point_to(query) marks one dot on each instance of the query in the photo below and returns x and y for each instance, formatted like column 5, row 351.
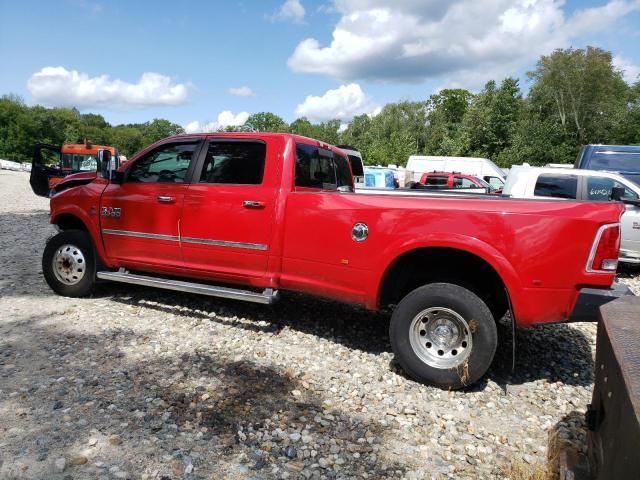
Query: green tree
column 302, row 126
column 446, row 110
column 581, row 91
column 628, row 131
column 400, row 129
column 157, row 129
column 127, row 139
column 265, row 122
column 490, row 124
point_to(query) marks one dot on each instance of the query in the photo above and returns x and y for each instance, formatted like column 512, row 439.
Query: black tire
column 82, row 244
column 468, row 306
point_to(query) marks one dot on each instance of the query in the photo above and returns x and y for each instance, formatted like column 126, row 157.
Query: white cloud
column 630, row 70
column 242, row 91
column 595, row 19
column 290, row 11
column 57, row 86
column 344, row 103
column 376, row 111
column 418, row 39
column 225, row 119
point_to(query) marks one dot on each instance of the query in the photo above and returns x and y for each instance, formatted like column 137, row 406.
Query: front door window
column 168, row 164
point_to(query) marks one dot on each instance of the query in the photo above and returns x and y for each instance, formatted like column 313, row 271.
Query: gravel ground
column 141, row 383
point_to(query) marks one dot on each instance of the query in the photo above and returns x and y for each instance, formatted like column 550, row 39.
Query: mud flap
column 513, row 332
column 45, row 169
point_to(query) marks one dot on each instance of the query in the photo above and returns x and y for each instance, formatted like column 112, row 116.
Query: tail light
column 605, row 249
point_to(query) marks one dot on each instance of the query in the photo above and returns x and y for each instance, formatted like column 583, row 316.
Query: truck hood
column 74, row 180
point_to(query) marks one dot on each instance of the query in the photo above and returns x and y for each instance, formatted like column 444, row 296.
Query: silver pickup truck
column 587, row 185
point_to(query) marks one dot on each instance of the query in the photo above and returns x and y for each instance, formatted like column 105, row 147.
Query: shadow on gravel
column 194, row 414
column 557, row 353
column 353, row 327
column 628, row 270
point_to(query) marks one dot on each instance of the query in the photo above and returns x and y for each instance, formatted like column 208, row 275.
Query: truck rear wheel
column 69, row 263
column 443, row 335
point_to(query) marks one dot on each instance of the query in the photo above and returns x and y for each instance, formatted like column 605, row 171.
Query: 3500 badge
column 111, row 212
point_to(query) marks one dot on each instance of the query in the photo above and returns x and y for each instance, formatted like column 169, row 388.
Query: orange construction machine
column 58, row 162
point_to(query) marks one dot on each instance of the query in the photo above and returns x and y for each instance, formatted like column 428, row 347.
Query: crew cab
column 247, row 215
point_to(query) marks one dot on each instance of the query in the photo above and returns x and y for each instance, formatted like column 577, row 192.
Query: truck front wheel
column 443, row 335
column 69, row 263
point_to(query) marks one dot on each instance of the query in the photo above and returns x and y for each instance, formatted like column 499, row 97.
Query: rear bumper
column 629, row 256
column 591, row 299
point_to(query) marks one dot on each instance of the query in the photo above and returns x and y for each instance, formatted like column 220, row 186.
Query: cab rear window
column 436, row 180
column 558, row 186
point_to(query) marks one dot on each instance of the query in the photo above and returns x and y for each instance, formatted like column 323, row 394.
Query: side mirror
column 617, row 193
column 104, row 164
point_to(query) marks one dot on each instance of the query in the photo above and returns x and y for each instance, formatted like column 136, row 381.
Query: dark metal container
column 613, row 417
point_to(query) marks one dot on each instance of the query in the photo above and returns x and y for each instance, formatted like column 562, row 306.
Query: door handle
column 166, row 199
column 252, row 204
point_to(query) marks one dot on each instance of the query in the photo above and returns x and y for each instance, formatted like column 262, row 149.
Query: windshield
column 485, row 184
column 495, row 182
column 615, row 161
column 77, row 162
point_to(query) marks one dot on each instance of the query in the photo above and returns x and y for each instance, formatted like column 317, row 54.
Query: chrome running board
column 267, row 297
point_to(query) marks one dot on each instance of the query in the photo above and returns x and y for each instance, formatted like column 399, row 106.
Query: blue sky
column 352, row 56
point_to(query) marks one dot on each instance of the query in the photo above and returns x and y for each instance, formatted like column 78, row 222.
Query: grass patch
column 520, row 470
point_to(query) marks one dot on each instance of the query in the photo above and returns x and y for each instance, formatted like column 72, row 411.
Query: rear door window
column 320, row 168
column 462, row 182
column 240, row 163
column 356, row 166
column 599, row 189
column 558, row 186
column 343, row 172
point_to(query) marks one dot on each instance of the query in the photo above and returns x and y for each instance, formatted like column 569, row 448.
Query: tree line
column 575, row 96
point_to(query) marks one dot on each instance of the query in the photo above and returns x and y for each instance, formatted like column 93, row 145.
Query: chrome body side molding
column 224, row 243
column 176, row 238
column 126, row 233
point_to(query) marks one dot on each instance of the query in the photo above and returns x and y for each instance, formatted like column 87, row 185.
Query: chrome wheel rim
column 69, row 265
column 440, row 337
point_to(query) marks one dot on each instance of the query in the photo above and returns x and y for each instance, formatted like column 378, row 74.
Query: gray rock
column 60, row 464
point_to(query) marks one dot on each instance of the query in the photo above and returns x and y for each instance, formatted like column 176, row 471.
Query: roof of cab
column 296, row 138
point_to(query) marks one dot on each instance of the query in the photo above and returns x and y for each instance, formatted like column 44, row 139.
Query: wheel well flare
column 67, row 221
column 439, row 264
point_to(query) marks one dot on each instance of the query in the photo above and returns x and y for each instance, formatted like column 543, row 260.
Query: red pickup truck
column 245, row 215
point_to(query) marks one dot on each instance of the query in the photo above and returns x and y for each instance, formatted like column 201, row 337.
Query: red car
column 273, row 211
column 456, row 180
